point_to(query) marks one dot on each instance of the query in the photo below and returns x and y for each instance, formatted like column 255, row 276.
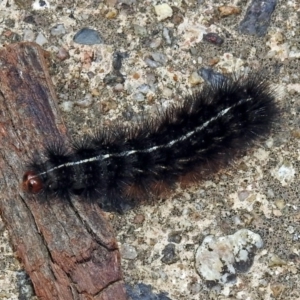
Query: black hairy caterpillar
column 205, row 132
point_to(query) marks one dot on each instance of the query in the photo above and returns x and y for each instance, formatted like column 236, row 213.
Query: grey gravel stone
column 40, row 39
column 85, row 102
column 257, row 17
column 174, row 237
column 113, row 79
column 66, row 106
column 144, row 88
column 155, row 43
column 156, row 60
column 58, row 29
column 166, row 35
column 24, row 285
column 210, row 76
column 140, row 30
column 87, row 36
column 151, row 63
column 28, row 35
column 142, row 291
column 128, row 252
column 159, row 57
column 138, row 97
column 169, row 255
column 117, row 59
column 62, row 54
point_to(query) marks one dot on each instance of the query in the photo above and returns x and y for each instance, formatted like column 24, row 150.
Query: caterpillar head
column 32, row 183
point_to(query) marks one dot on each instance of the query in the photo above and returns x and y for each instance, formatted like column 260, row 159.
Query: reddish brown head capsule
column 32, row 183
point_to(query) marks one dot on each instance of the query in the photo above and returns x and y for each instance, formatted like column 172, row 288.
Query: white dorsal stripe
column 167, row 145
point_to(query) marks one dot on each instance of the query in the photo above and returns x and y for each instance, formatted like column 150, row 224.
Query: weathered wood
column 68, row 249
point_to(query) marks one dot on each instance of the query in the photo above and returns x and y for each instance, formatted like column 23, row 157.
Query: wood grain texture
column 68, row 249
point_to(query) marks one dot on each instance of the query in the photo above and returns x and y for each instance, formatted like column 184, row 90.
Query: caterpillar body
column 202, row 134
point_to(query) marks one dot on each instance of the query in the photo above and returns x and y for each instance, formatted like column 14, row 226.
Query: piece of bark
column 67, row 248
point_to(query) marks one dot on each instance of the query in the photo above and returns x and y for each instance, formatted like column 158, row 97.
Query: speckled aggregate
column 256, row 194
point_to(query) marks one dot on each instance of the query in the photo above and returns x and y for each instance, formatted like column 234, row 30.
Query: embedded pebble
column 128, row 252
column 128, row 2
column 151, row 63
column 194, row 287
column 219, row 259
column 293, row 87
column 166, row 35
column 28, row 35
column 166, row 92
column 270, row 193
column 291, row 229
column 10, row 23
column 108, row 105
column 119, row 87
column 116, row 77
column 40, row 4
column 22, row 4
column 210, row 76
column 169, row 255
column 257, row 17
column 117, row 59
column 111, row 14
column 66, row 106
column 159, row 57
column 195, row 79
column 174, row 237
column 95, row 92
column 24, row 286
column 140, row 30
column 285, row 173
column 58, row 29
column 213, row 61
column 151, row 79
column 87, row 36
column 142, row 291
column 163, row 11
column 62, row 54
column 156, row 60
column 29, row 20
column 138, row 219
column 40, row 39
column 177, row 19
column 213, row 38
column 276, row 261
column 277, row 290
column 85, row 102
column 278, row 47
column 229, row 10
column 113, row 79
column 228, row 63
column 155, row 43
column 138, row 97
column 144, row 88
column 243, row 195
